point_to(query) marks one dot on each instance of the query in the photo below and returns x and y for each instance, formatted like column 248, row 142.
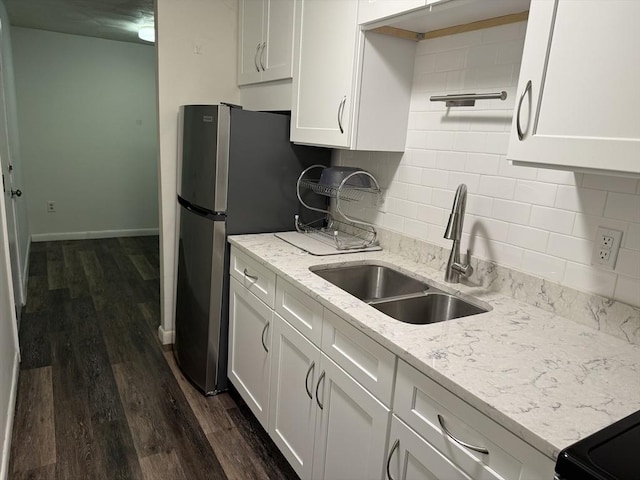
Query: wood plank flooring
column 100, row 398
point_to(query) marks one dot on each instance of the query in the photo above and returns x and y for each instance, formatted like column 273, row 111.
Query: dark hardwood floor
column 99, row 397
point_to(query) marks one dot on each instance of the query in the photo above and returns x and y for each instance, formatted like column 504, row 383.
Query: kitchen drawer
column 419, row 401
column 300, row 310
column 255, row 277
column 368, row 362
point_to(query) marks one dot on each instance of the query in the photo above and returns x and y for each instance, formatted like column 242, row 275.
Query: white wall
column 87, row 120
column 185, row 77
column 535, row 220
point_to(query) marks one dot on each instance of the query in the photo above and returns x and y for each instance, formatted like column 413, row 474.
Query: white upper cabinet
column 349, row 91
column 370, row 10
column 576, row 109
column 265, row 46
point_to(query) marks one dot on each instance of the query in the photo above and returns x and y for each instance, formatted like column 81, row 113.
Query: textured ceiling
column 110, row 19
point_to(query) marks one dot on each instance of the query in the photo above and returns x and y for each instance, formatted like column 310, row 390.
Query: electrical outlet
column 606, row 247
column 51, row 206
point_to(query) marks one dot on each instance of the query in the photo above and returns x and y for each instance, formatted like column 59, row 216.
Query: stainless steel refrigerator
column 238, row 175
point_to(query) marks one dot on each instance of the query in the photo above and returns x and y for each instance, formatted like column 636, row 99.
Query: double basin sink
column 398, row 295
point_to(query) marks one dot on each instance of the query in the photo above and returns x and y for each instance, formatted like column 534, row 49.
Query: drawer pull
column 460, row 442
column 250, row 277
column 396, row 444
column 264, row 330
column 306, row 380
column 317, row 387
column 255, row 58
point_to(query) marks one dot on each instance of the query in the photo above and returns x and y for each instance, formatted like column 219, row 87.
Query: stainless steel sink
column 371, row 282
column 398, row 295
column 431, row 308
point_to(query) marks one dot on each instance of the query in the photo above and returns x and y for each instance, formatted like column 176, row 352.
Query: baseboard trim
column 49, row 237
column 11, row 409
column 166, row 336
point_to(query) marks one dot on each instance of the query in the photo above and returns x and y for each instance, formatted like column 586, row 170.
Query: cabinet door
column 249, row 344
column 325, row 68
column 295, row 369
column 411, row 457
column 351, row 429
column 250, row 20
column 277, row 55
column 575, row 81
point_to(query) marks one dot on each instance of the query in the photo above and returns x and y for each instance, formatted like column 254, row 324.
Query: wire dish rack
column 345, row 233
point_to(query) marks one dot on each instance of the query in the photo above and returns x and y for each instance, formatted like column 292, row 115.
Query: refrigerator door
column 200, row 319
column 204, row 155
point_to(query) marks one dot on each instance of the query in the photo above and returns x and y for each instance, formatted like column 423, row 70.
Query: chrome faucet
column 454, row 232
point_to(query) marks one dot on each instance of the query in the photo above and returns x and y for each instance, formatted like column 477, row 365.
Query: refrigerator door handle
column 203, row 212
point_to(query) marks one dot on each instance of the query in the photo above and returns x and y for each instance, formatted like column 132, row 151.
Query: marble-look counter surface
column 549, row 380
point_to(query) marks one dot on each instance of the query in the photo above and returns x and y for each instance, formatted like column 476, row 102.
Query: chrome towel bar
column 467, row 99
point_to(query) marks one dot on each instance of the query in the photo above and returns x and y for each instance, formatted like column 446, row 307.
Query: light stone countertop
column 549, row 380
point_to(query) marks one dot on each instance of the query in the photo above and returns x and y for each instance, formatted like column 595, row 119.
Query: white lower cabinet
column 249, row 366
column 411, row 457
column 351, row 429
column 292, row 419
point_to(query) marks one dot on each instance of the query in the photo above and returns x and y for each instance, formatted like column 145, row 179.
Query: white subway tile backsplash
column 470, row 141
column 512, row 212
column 543, row 265
column 425, row 64
column 628, row 263
column 510, row 52
column 440, row 140
column 455, row 161
column 434, row 178
column 497, row 143
column 393, row 222
column 483, row 55
column 442, row 198
column 632, row 238
column 527, row 237
column 570, row 248
column 627, row 290
column 407, row 174
column 495, row 76
column 480, row 205
column 397, row 190
column 586, row 278
column 471, row 180
column 623, row 207
column 497, row 187
column 486, row 227
column 559, row 177
column 536, row 193
column 416, row 139
column 402, row 208
column 423, row 158
column 416, row 229
column 482, row 163
column 429, row 214
column 585, row 226
column 610, row 183
column 505, row 254
column 419, row 194
column 515, row 171
column 552, row 220
column 583, row 200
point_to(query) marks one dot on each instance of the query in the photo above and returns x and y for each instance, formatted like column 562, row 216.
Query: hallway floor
column 99, row 397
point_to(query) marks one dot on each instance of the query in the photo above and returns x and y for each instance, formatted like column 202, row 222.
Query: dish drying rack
column 345, row 233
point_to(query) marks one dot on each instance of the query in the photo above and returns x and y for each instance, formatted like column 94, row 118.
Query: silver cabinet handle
column 524, row 94
column 341, row 113
column 317, row 387
column 255, row 57
column 460, row 442
column 251, row 277
column 396, row 444
column 306, row 380
column 264, row 45
column 264, row 330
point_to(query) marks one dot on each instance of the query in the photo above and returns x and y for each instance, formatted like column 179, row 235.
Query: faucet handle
column 465, row 269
